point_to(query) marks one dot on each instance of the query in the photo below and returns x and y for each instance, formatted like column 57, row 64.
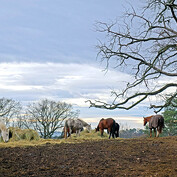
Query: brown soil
column 120, row 157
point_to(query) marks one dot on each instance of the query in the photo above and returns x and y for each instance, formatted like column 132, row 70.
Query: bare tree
column 9, row 109
column 47, row 116
column 144, row 44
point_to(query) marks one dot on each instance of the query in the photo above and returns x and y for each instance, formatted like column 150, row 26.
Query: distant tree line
column 132, row 133
column 45, row 116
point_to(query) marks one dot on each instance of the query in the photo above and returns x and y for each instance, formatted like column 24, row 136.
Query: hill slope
column 120, row 157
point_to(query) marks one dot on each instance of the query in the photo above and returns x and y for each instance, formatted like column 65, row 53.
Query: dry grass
column 23, row 134
column 29, row 138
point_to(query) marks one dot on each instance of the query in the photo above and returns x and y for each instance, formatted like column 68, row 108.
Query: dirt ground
column 120, row 157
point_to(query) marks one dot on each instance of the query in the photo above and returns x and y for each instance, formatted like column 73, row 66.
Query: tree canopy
column 9, row 109
column 47, row 116
column 144, row 44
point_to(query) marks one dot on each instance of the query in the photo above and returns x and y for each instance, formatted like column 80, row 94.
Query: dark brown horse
column 155, row 121
column 108, row 124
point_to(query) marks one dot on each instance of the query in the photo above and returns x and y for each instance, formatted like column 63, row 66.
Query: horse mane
column 148, row 118
column 83, row 122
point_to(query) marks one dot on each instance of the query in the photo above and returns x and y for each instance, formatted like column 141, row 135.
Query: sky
column 47, row 50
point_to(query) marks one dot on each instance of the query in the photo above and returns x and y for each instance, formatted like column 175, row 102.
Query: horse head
column 97, row 129
column 145, row 121
column 88, row 127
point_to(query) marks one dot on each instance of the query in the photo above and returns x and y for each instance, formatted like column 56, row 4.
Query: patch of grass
column 23, row 134
column 90, row 135
column 23, row 138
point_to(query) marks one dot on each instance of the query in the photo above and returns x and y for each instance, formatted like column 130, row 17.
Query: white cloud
column 72, row 82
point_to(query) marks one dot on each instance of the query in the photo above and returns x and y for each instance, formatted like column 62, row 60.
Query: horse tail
column 65, row 129
column 161, row 124
column 113, row 128
column 117, row 129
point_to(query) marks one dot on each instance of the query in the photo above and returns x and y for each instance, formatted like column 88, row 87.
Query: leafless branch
column 150, row 48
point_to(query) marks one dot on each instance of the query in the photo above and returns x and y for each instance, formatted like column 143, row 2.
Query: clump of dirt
column 119, row 157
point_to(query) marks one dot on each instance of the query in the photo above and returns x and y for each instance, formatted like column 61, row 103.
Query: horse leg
column 65, row 132
column 109, row 130
column 118, row 133
column 157, row 133
column 150, row 133
column 77, row 133
column 159, row 130
column 70, row 131
column 154, row 132
column 109, row 135
column 102, row 132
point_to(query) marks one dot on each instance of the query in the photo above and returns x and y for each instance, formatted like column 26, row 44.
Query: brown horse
column 155, row 121
column 108, row 124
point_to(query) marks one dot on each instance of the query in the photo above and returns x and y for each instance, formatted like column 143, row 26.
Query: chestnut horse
column 155, row 121
column 108, row 124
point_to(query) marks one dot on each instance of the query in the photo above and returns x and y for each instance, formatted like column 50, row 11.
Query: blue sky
column 47, row 50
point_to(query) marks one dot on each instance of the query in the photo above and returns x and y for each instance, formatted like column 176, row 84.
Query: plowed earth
column 120, row 157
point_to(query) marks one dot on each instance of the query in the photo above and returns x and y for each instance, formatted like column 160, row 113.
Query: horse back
column 106, row 123
column 110, row 121
column 156, row 121
column 161, row 121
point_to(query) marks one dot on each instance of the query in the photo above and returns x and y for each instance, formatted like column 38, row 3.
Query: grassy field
column 90, row 155
column 26, row 141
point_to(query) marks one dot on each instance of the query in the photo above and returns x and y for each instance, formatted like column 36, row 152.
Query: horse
column 116, row 132
column 108, row 124
column 4, row 132
column 76, row 124
column 155, row 121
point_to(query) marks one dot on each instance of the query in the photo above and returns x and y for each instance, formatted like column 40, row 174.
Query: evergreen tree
column 170, row 115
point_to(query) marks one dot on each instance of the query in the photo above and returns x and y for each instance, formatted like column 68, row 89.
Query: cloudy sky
column 47, row 50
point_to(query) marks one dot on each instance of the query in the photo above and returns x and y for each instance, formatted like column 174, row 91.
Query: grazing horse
column 108, row 124
column 155, row 121
column 75, row 124
column 116, row 131
column 4, row 132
